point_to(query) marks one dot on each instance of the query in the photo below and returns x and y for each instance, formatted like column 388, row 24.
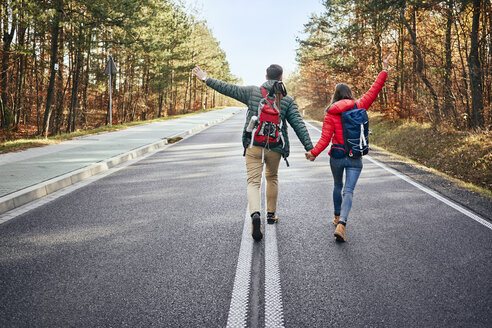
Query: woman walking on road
column 343, row 101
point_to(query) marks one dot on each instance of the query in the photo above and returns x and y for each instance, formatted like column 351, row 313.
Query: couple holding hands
column 272, row 94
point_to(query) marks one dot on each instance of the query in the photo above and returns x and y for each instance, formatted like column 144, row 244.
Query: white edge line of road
column 426, row 190
column 32, row 197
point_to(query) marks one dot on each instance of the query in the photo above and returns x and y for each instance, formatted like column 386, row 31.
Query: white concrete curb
column 24, row 196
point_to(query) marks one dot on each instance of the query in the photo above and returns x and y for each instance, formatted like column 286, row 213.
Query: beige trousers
column 254, row 168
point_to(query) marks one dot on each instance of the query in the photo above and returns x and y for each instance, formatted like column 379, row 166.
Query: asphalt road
column 156, row 244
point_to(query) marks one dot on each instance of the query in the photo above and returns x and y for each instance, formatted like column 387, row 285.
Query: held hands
column 200, row 74
column 386, row 62
column 310, row 156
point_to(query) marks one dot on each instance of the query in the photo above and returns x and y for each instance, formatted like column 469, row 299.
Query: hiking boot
column 335, row 221
column 272, row 218
column 256, row 227
column 340, row 232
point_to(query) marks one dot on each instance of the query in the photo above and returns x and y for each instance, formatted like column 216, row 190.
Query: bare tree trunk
column 377, row 56
column 171, row 93
column 188, row 84
column 36, row 77
column 161, row 99
column 7, row 41
column 175, row 98
column 487, row 67
column 414, row 26
column 61, row 91
column 201, row 96
column 449, row 100
column 86, row 77
column 464, row 74
column 19, row 88
column 206, row 99
column 397, row 64
column 475, row 70
column 20, row 71
column 125, row 90
column 130, row 98
column 166, row 101
column 420, row 68
column 53, row 61
column 145, row 89
column 487, row 63
column 75, row 81
column 402, row 70
column 61, row 101
column 193, row 93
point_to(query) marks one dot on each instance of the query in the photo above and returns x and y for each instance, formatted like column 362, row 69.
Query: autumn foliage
column 441, row 68
column 54, row 53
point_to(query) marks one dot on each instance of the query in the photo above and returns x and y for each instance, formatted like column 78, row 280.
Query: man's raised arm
column 240, row 93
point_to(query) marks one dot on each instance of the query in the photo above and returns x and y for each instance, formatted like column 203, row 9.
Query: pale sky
column 256, row 33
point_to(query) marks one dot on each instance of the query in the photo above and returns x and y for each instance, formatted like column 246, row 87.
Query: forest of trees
column 54, row 52
column 442, row 61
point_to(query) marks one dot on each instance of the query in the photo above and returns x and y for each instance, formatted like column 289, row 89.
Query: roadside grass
column 464, row 157
column 22, row 144
column 468, row 185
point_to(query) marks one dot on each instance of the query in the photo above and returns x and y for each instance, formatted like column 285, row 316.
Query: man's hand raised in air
column 200, row 73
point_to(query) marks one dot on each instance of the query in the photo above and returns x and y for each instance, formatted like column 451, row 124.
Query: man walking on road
column 256, row 153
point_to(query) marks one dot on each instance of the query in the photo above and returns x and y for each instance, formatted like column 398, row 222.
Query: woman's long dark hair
column 342, row 91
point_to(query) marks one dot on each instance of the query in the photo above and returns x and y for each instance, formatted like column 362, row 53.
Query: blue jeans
column 352, row 167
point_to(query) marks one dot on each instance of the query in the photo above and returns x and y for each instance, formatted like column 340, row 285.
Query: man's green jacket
column 251, row 96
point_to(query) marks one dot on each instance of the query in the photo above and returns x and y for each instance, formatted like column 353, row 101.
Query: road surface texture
column 165, row 243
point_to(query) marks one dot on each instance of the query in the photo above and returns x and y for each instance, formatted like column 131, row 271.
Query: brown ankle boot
column 340, row 232
column 335, row 221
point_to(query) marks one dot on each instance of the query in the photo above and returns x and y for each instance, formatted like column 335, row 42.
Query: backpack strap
column 263, row 92
column 362, row 141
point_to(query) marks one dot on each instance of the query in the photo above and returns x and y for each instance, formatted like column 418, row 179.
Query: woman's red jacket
column 332, row 124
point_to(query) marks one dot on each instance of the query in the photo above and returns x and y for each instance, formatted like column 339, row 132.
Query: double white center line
column 238, row 310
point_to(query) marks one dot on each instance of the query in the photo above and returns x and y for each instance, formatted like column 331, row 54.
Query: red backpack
column 268, row 131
